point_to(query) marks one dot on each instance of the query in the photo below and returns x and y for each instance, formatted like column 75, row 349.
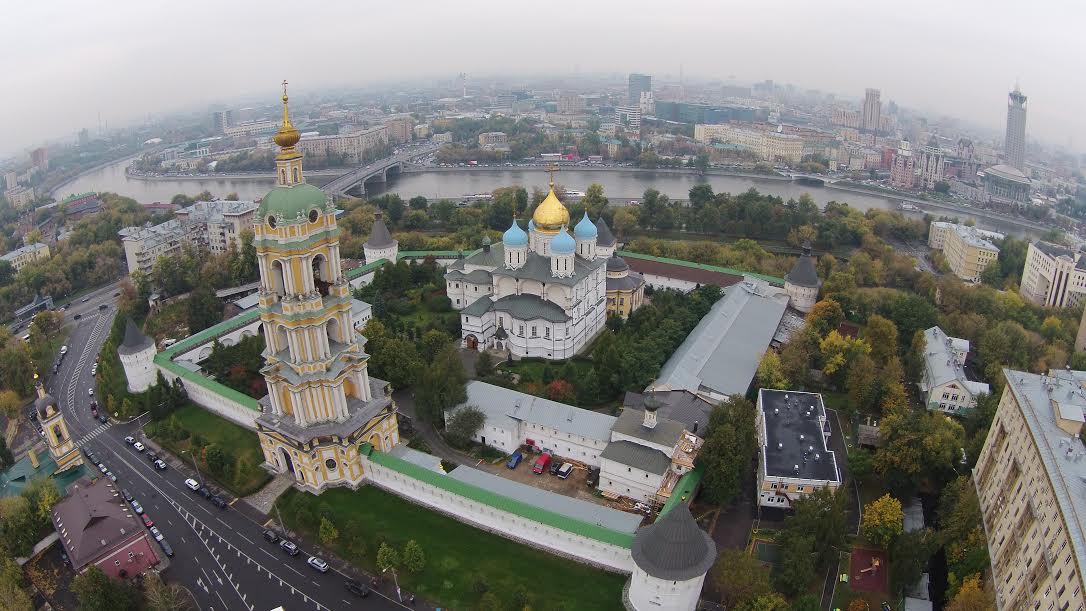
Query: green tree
column 464, row 424
column 490, row 602
column 97, row 592
column 909, row 556
column 771, row 372
column 796, row 569
column 881, row 335
column 825, row 316
column 484, row 365
column 441, row 386
column 215, row 457
column 327, row 532
column 729, row 447
column 418, row 202
column 387, row 558
column 863, row 383
column 10, row 404
column 162, row 596
column 414, row 559
column 202, row 309
column 434, row 341
column 6, row 458
column 920, row 450
column 739, row 577
column 820, row 515
column 883, row 521
column 13, row 597
column 766, row 602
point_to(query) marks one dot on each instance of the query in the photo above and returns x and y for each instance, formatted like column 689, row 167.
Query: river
column 618, row 185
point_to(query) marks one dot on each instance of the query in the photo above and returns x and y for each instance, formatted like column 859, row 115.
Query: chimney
column 651, row 405
column 695, row 427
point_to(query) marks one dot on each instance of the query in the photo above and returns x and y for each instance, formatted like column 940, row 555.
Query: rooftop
column 503, row 405
column 721, row 355
column 941, row 365
column 361, row 412
column 23, row 250
column 1045, row 400
column 630, row 422
column 794, row 427
column 636, row 455
column 674, row 548
column 975, row 237
column 680, row 405
column 94, row 519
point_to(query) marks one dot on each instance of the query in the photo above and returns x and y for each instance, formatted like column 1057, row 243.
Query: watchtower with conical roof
column 381, row 244
column 671, row 558
column 137, row 352
column 802, row 282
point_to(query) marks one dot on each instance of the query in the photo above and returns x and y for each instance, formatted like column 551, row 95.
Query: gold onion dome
column 551, row 214
column 288, row 135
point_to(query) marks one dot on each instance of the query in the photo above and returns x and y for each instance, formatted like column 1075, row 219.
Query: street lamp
column 193, row 455
column 395, row 581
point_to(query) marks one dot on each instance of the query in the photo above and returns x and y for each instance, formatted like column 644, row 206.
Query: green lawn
column 461, row 561
column 244, row 475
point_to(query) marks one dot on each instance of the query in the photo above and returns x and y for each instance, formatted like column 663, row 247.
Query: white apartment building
column 628, row 117
column 768, row 144
column 493, row 139
column 354, row 145
column 250, row 128
column 794, row 458
column 21, row 257
column 943, row 382
column 968, row 250
column 1053, row 275
column 212, row 225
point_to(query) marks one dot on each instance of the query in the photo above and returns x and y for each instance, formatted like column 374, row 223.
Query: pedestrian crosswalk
column 91, row 435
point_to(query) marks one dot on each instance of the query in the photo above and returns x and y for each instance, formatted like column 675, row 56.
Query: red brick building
column 97, row 527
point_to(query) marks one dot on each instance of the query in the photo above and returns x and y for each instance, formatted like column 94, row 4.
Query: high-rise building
column 40, row 158
column 222, row 119
column 1029, row 479
column 872, row 110
column 400, row 129
column 638, row 83
column 903, row 168
column 1014, row 146
column 1053, row 276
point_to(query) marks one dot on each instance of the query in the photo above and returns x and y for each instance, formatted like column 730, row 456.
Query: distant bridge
column 810, row 179
column 376, row 171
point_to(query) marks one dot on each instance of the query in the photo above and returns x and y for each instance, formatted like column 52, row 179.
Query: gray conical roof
column 379, row 236
column 803, row 272
column 604, row 236
column 134, row 340
column 674, row 548
column 42, row 404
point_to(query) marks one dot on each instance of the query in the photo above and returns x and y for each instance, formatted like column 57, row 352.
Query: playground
column 868, row 570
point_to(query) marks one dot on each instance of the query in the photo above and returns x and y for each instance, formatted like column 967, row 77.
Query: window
column 534, row 332
column 546, row 332
column 330, row 464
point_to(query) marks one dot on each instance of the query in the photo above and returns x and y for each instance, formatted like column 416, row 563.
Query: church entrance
column 285, row 462
column 472, row 342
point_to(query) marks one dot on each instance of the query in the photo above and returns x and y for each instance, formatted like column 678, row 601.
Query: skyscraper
column 872, row 110
column 638, row 84
column 1014, row 147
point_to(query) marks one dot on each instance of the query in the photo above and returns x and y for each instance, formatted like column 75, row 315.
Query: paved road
column 220, row 556
column 341, row 184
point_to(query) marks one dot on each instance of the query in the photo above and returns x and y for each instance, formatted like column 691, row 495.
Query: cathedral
column 322, row 405
column 542, row 292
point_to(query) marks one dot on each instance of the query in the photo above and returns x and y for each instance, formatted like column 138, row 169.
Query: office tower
column 1014, row 147
column 872, row 110
column 638, row 84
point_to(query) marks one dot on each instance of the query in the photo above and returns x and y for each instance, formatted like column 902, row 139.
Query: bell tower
column 288, row 163
column 61, row 445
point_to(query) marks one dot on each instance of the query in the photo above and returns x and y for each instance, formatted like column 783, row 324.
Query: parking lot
column 573, row 486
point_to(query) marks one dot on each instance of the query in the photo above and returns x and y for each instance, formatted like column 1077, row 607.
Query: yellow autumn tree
column 972, row 596
column 883, row 520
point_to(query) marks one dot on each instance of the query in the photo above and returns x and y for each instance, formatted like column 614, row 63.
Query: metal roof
column 537, row 267
column 941, row 366
column 504, row 406
column 379, row 235
column 631, row 423
column 478, row 307
column 134, row 339
column 803, row 272
column 604, row 236
column 722, row 353
column 530, row 307
column 681, row 405
column 635, row 455
column 94, row 519
column 674, row 548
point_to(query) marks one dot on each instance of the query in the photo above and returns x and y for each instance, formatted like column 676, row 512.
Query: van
column 541, row 463
column 565, row 470
column 514, row 460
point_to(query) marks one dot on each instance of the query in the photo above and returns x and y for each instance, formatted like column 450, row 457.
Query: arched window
column 282, row 177
column 296, row 176
column 277, row 278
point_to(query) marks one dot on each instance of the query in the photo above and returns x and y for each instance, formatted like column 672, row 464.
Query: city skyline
column 130, row 70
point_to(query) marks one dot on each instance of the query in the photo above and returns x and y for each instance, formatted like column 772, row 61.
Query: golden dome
column 287, row 136
column 551, row 214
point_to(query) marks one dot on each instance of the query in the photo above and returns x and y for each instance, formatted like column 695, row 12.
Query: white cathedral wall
column 216, row 403
column 665, row 282
column 647, row 592
column 200, row 352
column 517, row 528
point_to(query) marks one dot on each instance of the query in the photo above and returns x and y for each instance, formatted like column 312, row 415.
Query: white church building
column 540, row 293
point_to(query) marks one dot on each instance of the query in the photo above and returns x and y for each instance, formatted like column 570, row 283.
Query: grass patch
column 462, row 562
column 196, row 430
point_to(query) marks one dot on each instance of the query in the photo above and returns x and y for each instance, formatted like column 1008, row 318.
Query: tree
column 414, row 559
column 418, row 202
column 920, row 449
column 203, row 309
column 795, row 571
column 863, row 383
column 972, row 596
column 883, row 521
column 909, row 556
column 327, row 532
column 441, row 386
column 434, row 341
column 96, row 591
column 6, row 458
column 881, row 335
column 561, row 391
column 10, row 402
column 771, row 372
column 484, row 365
column 490, row 602
column 839, row 351
column 162, row 596
column 825, row 316
column 12, row 595
column 387, row 558
column 821, row 515
column 770, row 601
column 728, row 450
column 624, row 220
column 859, row 604
column 464, row 424
column 739, row 577
column 47, row 496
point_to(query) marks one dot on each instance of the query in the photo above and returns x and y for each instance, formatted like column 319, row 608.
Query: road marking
column 315, row 583
column 268, row 553
column 220, row 598
column 295, row 570
column 242, row 536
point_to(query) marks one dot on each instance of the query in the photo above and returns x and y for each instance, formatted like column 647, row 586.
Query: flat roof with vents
column 795, row 431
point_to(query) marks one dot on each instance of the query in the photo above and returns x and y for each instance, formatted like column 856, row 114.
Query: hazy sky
column 68, row 60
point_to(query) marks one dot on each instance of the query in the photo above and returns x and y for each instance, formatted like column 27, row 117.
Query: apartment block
column 21, row 257
column 944, row 383
column 794, row 458
column 215, row 226
column 1031, row 483
column 968, row 250
column 400, row 129
column 766, row 143
column 354, row 145
column 1053, row 275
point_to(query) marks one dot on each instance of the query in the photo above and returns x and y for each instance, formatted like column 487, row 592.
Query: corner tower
column 137, row 353
column 61, row 445
column 321, row 402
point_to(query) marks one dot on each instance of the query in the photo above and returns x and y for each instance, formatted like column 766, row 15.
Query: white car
column 160, row 465
column 90, row 391
column 110, row 475
column 102, row 467
column 156, row 533
column 63, row 350
column 130, row 440
column 139, row 446
column 137, row 507
column 192, row 484
column 318, row 564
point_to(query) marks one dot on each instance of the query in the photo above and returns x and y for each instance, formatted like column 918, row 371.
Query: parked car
column 270, row 536
column 104, row 306
column 219, row 502
column 166, row 549
column 90, row 392
column 318, row 564
column 126, row 494
column 565, row 470
column 156, row 533
column 555, row 466
column 102, row 467
column 77, row 316
column 151, row 456
column 541, row 463
column 110, row 475
column 130, row 440
column 204, row 492
column 103, row 418
column 357, row 588
column 289, row 547
column 137, row 507
column 160, row 465
column 147, row 521
column 192, row 484
column 139, row 446
column 514, row 460
column 63, row 350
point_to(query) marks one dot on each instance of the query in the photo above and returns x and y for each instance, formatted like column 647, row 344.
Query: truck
column 541, row 463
